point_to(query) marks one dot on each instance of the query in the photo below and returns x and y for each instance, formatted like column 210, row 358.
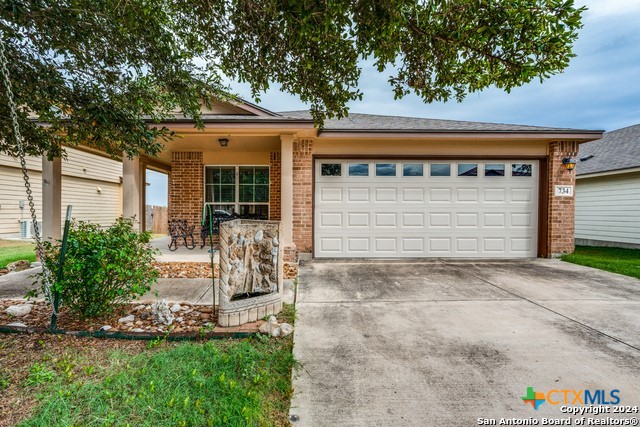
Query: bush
column 103, row 268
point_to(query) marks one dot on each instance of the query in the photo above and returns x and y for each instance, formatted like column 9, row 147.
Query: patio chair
column 180, row 229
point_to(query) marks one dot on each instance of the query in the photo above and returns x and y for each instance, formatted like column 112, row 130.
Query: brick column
column 274, row 186
column 302, row 195
column 186, row 188
column 561, row 221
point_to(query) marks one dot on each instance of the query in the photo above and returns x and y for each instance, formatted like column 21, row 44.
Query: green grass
column 14, row 250
column 217, row 383
column 615, row 260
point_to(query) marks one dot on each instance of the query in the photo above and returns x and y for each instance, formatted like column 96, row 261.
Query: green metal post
column 63, row 253
column 207, row 210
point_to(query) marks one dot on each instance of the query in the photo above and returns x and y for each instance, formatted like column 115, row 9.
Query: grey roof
column 248, row 118
column 373, row 122
column 617, row 150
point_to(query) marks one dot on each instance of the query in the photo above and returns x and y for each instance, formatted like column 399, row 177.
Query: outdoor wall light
column 569, row 163
column 223, row 142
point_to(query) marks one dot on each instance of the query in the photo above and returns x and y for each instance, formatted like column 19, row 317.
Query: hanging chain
column 25, row 173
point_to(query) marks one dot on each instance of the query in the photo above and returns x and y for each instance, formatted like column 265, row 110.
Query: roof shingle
column 617, row 150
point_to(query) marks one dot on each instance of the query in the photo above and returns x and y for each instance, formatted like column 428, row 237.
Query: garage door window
column 521, row 169
column 331, row 169
column 494, row 169
column 412, row 169
column 358, row 169
column 385, row 169
column 467, row 169
column 440, row 169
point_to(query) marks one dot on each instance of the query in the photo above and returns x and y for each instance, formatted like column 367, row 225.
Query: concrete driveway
column 443, row 343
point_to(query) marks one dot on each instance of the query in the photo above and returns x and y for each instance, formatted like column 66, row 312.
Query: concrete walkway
column 192, row 291
column 181, row 254
column 443, row 343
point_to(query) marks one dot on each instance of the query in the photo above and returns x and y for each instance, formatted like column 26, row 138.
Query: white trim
column 607, row 173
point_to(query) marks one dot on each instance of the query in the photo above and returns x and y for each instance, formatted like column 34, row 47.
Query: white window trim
column 237, row 203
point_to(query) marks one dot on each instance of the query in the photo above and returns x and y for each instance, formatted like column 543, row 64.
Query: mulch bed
column 190, row 319
column 185, row 270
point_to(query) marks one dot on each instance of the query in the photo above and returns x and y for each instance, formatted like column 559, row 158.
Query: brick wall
column 561, row 209
column 302, row 194
column 274, row 186
column 186, row 188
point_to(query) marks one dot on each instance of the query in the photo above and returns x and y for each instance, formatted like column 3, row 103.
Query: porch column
column 132, row 182
column 51, row 198
column 286, row 188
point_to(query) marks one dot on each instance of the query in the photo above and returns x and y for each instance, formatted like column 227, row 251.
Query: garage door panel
column 330, row 194
column 425, row 216
column 386, row 194
column 413, row 195
column 358, row 195
column 358, row 219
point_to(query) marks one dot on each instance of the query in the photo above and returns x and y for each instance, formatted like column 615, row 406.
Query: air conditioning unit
column 26, row 229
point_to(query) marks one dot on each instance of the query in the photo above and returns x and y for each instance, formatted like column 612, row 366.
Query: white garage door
column 379, row 208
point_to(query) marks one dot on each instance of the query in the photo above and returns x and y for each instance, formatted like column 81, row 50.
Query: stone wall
column 250, row 271
column 561, row 225
column 186, row 188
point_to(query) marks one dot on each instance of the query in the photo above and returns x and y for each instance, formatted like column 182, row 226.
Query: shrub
column 103, row 268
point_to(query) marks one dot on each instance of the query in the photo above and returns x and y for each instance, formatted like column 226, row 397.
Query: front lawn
column 615, row 260
column 14, row 250
column 69, row 381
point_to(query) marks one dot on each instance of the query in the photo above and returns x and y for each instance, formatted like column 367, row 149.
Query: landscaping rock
column 20, row 265
column 137, row 330
column 139, row 307
column 285, row 329
column 275, row 333
column 17, row 324
column 175, row 308
column 19, row 310
column 161, row 313
column 127, row 319
column 179, row 319
column 105, row 328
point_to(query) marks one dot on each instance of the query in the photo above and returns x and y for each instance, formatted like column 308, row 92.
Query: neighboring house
column 371, row 185
column 91, row 183
column 608, row 190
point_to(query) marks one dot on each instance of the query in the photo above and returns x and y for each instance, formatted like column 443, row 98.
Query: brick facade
column 274, row 186
column 302, row 194
column 186, row 188
column 561, row 223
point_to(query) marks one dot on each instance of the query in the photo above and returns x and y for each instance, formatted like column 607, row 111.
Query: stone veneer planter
column 250, row 271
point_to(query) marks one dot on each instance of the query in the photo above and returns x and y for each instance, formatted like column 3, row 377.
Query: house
column 91, row 183
column 608, row 190
column 373, row 185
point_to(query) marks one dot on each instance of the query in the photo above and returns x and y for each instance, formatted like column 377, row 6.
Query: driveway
column 443, row 343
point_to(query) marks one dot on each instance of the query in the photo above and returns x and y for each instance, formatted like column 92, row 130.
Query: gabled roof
column 357, row 122
column 616, row 151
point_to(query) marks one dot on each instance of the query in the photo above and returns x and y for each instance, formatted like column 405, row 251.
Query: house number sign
column 564, row 190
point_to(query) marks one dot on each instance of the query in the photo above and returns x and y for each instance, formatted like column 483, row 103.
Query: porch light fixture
column 569, row 163
column 223, row 142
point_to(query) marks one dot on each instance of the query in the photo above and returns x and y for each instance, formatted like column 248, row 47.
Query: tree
column 93, row 69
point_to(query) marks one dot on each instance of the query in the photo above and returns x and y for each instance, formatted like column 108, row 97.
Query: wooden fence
column 157, row 217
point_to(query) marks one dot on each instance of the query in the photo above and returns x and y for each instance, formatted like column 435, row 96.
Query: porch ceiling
column 209, row 143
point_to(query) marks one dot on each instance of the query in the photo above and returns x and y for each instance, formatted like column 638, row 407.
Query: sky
column 599, row 90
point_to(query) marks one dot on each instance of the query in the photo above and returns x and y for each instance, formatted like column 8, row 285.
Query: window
column 358, row 169
column 521, row 169
column 238, row 189
column 413, row 169
column 385, row 169
column 467, row 169
column 494, row 169
column 331, row 169
column 440, row 169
